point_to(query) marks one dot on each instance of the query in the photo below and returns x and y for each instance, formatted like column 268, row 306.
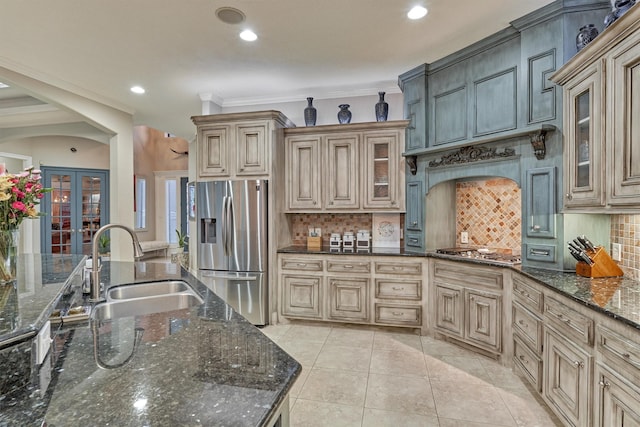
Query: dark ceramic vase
column 619, row 8
column 310, row 113
column 344, row 115
column 585, row 35
column 382, row 109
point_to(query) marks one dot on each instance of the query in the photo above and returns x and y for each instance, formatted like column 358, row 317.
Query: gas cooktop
column 488, row 254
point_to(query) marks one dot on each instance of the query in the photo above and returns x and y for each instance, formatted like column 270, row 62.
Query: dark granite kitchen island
column 200, row 366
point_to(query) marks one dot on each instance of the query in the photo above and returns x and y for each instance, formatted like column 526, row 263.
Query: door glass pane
column 60, row 214
column 90, row 210
column 381, row 170
column 171, row 195
column 582, row 141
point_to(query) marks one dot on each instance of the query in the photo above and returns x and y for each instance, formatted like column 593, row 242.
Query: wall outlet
column 464, row 237
column 616, row 251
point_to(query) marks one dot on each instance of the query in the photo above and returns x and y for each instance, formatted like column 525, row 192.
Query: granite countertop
column 26, row 305
column 616, row 297
column 204, row 365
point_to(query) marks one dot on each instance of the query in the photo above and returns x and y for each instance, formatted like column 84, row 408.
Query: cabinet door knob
column 569, row 196
column 535, row 227
column 604, row 384
column 414, row 223
column 579, row 363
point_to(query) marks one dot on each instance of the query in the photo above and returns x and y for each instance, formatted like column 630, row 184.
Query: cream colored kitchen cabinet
column 382, row 170
column 302, row 173
column 467, row 303
column 349, row 299
column 583, row 154
column 601, row 106
column 567, row 379
column 337, row 168
column 342, row 167
column 527, row 329
column 624, row 133
column 238, row 145
column 618, row 401
column 366, row 289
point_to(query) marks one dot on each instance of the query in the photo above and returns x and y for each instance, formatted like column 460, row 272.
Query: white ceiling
column 179, row 50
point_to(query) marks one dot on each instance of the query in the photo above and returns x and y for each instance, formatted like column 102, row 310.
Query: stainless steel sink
column 148, row 289
column 145, row 305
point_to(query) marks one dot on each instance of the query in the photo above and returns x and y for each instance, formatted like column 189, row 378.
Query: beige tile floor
column 355, row 376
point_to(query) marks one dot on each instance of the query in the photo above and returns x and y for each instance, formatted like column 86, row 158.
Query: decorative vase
column 8, row 255
column 344, row 115
column 619, row 8
column 382, row 109
column 585, row 35
column 310, row 113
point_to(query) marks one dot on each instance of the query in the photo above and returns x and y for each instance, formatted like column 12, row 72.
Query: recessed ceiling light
column 230, row 15
column 138, row 89
column 2, row 85
column 417, row 12
column 248, row 36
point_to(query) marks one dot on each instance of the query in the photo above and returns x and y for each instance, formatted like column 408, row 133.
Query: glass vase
column 8, row 255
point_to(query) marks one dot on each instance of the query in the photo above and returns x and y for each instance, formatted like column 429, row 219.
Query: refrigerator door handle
column 223, row 226
column 231, row 225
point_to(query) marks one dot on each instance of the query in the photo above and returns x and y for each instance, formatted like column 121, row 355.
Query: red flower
column 19, row 206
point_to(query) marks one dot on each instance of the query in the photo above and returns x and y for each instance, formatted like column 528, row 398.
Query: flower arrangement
column 19, row 195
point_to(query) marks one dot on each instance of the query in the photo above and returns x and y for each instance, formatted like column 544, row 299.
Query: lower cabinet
column 302, row 296
column 567, row 379
column 467, row 303
column 618, row 401
column 367, row 289
column 348, row 299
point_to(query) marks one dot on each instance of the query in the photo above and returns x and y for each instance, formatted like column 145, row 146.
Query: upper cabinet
column 345, row 167
column 237, row 145
column 602, row 103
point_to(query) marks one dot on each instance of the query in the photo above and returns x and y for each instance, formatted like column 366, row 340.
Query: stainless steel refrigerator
column 232, row 244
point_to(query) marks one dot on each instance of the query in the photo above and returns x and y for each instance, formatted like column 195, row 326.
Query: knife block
column 603, row 265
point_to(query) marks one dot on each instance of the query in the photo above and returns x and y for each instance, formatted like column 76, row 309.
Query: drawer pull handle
column 579, row 363
column 397, row 289
column 538, row 252
column 626, row 355
column 302, row 264
column 604, row 384
column 521, row 357
column 348, row 266
column 414, row 240
column 522, row 322
column 525, row 294
column 397, row 313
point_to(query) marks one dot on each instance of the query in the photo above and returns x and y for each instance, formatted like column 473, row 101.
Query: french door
column 76, row 208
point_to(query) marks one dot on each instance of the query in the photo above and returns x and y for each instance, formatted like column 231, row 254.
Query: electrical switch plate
column 464, row 237
column 616, row 251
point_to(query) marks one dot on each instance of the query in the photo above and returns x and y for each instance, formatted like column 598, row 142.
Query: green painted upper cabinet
column 414, row 219
column 413, row 84
column 540, row 205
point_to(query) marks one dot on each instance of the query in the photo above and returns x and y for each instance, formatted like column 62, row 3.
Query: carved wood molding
column 471, row 154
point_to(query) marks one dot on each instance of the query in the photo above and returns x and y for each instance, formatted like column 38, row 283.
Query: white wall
column 361, row 107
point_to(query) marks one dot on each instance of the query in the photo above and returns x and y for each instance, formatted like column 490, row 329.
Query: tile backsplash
column 330, row 223
column 490, row 212
column 625, row 229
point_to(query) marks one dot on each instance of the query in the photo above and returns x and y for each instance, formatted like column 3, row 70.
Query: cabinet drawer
column 413, row 240
column 528, row 362
column 398, row 314
column 622, row 351
column 527, row 295
column 543, row 253
column 348, row 266
column 569, row 321
column 463, row 274
column 412, row 268
column 528, row 326
column 399, row 289
column 301, row 264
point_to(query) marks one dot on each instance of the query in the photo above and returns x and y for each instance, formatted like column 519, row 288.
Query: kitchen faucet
column 95, row 268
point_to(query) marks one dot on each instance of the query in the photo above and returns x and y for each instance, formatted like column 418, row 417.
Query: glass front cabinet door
column 584, row 139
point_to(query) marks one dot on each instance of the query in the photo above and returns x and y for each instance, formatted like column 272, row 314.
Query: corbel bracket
column 412, row 161
column 538, row 142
